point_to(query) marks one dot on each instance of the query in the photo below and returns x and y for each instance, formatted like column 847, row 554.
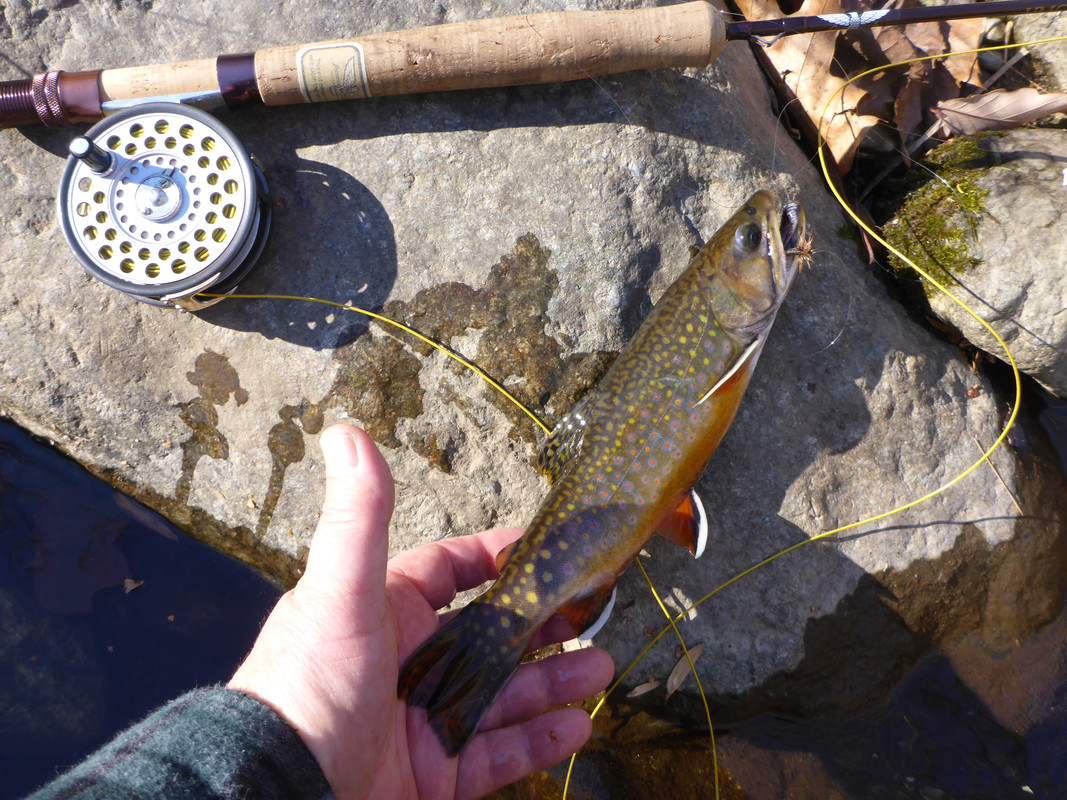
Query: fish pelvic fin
column 687, row 525
column 458, row 672
column 588, row 613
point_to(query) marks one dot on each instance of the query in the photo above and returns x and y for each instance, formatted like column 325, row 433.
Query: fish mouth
column 791, row 227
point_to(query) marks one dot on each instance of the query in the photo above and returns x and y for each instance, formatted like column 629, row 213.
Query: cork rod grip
column 507, row 51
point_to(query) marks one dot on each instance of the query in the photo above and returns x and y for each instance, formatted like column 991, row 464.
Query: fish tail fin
column 458, row 672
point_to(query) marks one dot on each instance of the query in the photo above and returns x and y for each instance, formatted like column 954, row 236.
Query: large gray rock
column 531, row 229
column 1051, row 57
column 1008, row 254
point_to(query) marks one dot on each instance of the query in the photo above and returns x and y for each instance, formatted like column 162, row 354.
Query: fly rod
column 506, row 51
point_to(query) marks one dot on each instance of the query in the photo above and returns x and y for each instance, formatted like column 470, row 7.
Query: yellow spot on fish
column 506, row 601
column 505, row 622
column 529, row 568
column 545, row 554
column 563, row 545
column 547, row 577
column 531, row 597
column 689, row 327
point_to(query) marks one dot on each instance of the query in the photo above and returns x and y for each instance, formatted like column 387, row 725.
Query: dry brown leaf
column 804, row 63
column 815, row 66
column 997, row 110
column 129, row 584
column 644, row 688
column 681, row 669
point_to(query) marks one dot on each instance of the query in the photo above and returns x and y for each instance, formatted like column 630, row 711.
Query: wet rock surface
column 531, row 229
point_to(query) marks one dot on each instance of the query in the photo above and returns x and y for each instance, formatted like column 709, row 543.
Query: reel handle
column 506, row 51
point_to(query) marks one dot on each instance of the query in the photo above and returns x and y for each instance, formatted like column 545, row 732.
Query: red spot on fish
column 588, row 550
column 652, row 462
column 568, row 569
column 633, row 519
column 640, row 500
column 667, row 446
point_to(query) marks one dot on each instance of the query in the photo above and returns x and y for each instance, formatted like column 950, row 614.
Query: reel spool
column 161, row 202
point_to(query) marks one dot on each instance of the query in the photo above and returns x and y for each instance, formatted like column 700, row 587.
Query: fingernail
column 340, row 453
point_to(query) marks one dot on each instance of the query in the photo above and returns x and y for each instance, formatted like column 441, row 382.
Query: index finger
column 441, row 569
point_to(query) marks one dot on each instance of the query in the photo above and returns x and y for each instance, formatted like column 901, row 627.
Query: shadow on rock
column 331, row 240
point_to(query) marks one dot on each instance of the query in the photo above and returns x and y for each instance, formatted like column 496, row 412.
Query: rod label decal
column 853, row 19
column 332, row 72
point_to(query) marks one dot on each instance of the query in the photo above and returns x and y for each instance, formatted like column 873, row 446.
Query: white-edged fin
column 701, row 525
column 586, row 636
column 745, row 356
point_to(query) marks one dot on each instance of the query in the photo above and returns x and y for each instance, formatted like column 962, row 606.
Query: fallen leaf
column 645, row 688
column 812, row 68
column 681, row 669
column 805, row 65
column 130, row 584
column 997, row 110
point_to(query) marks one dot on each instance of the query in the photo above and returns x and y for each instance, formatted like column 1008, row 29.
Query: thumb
column 350, row 549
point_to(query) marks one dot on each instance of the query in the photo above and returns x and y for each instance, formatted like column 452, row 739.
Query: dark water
column 80, row 657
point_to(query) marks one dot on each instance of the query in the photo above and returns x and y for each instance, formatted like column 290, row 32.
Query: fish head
column 750, row 263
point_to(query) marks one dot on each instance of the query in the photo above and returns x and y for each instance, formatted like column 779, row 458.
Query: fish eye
column 749, row 236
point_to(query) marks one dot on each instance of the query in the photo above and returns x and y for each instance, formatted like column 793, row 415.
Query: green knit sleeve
column 210, row 743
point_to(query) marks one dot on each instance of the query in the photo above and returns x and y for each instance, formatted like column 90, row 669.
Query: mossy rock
column 937, row 220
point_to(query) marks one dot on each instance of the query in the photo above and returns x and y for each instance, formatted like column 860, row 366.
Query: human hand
column 328, row 657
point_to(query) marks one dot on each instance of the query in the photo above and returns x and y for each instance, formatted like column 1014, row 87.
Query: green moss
column 933, row 225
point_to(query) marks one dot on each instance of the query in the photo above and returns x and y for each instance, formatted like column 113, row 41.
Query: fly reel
column 161, row 202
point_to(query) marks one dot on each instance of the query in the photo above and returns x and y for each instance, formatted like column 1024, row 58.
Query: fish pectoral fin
column 563, row 444
column 748, row 357
column 687, row 524
column 505, row 553
column 587, row 614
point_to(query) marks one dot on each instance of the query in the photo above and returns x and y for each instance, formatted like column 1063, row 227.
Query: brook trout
column 622, row 464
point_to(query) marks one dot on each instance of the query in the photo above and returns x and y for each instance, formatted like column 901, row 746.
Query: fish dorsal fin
column 751, row 354
column 687, row 524
column 563, row 444
column 503, row 556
